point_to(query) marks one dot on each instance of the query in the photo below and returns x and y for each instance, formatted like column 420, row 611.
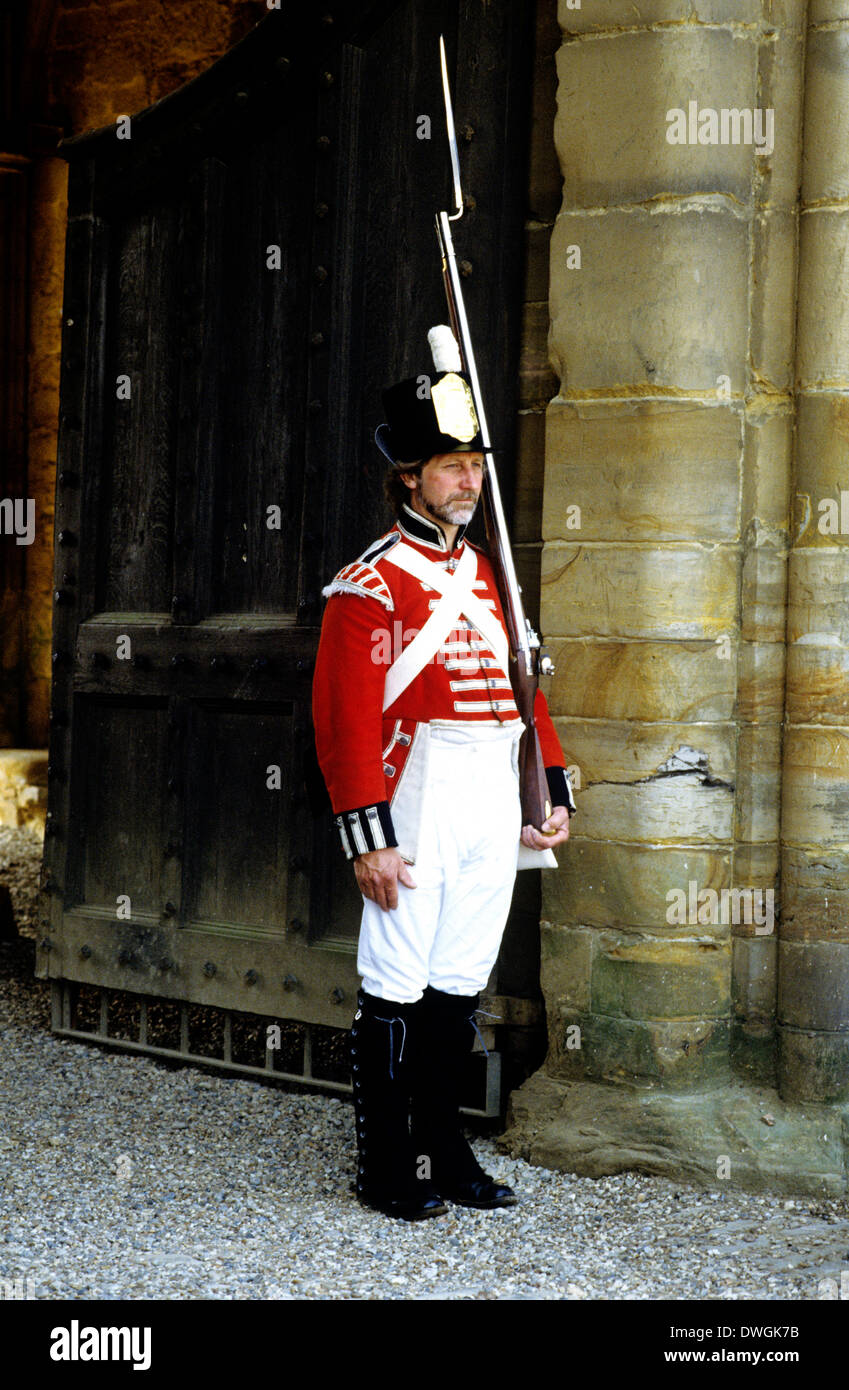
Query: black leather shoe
column 404, row 1209
column 486, row 1195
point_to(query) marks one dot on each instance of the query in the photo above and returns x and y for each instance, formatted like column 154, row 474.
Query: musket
column 527, row 662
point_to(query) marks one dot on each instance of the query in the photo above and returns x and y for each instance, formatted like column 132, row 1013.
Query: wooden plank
column 198, row 431
column 134, row 562
column 129, row 955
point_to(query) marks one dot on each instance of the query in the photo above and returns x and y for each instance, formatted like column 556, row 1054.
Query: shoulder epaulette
column 361, row 577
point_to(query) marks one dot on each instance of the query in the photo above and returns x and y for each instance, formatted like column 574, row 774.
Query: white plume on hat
column 444, row 349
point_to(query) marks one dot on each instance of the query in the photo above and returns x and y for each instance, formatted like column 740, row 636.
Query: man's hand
column 379, row 871
column 558, row 820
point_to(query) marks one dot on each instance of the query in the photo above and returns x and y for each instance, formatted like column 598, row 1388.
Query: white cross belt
column 457, row 597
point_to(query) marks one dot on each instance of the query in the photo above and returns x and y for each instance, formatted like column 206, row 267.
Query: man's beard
column 455, row 513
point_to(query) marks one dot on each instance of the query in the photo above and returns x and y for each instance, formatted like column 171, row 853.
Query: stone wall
column 667, row 522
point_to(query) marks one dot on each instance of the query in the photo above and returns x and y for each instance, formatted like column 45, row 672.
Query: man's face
column 449, row 487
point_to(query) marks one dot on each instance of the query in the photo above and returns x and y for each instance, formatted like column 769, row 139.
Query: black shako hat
column 429, row 414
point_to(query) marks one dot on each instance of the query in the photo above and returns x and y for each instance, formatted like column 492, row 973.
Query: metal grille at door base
column 229, row 1041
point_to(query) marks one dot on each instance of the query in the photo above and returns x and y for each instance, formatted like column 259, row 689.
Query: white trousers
column 446, row 931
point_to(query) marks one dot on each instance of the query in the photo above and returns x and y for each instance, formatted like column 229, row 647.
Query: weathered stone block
column 754, row 1052
column 764, row 593
column 651, row 979
column 813, row 985
column 635, row 470
column 781, row 85
column 662, row 813
column 670, row 1054
column 817, row 690
column 758, row 810
column 815, row 806
column 609, row 884
column 565, row 965
column 815, row 894
column 767, row 468
column 756, row 866
column 818, row 598
column 597, row 679
column 825, row 158
column 760, row 681
column 659, row 302
column 754, row 978
column 754, row 906
column 813, row 1068
column 822, row 338
column 773, row 305
column 824, row 11
column 626, row 752
column 652, row 782
column 821, row 491
column 634, row 78
column 639, row 591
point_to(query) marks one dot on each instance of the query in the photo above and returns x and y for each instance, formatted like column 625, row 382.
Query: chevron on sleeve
column 363, row 579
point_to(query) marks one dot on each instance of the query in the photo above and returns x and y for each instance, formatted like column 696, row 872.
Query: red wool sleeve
column 552, row 753
column 347, row 700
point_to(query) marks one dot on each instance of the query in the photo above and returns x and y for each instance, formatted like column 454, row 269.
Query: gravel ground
column 124, row 1178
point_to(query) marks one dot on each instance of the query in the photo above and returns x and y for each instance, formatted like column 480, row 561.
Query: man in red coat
column 417, row 737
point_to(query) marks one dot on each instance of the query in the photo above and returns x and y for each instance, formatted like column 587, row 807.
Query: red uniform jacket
column 373, row 612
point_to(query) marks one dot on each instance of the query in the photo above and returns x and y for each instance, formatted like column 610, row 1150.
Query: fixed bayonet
column 452, row 134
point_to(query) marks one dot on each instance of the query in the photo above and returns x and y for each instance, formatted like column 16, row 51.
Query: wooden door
column 244, row 273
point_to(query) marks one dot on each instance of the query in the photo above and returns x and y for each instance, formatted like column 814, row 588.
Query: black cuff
column 366, row 828
column 560, row 789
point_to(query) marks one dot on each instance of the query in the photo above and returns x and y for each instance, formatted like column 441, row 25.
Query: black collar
column 426, row 532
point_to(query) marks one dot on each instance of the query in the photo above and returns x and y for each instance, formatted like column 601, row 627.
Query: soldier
column 417, row 737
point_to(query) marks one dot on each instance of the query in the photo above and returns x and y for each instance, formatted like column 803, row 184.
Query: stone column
column 666, row 499
column 814, row 946
column 46, row 258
